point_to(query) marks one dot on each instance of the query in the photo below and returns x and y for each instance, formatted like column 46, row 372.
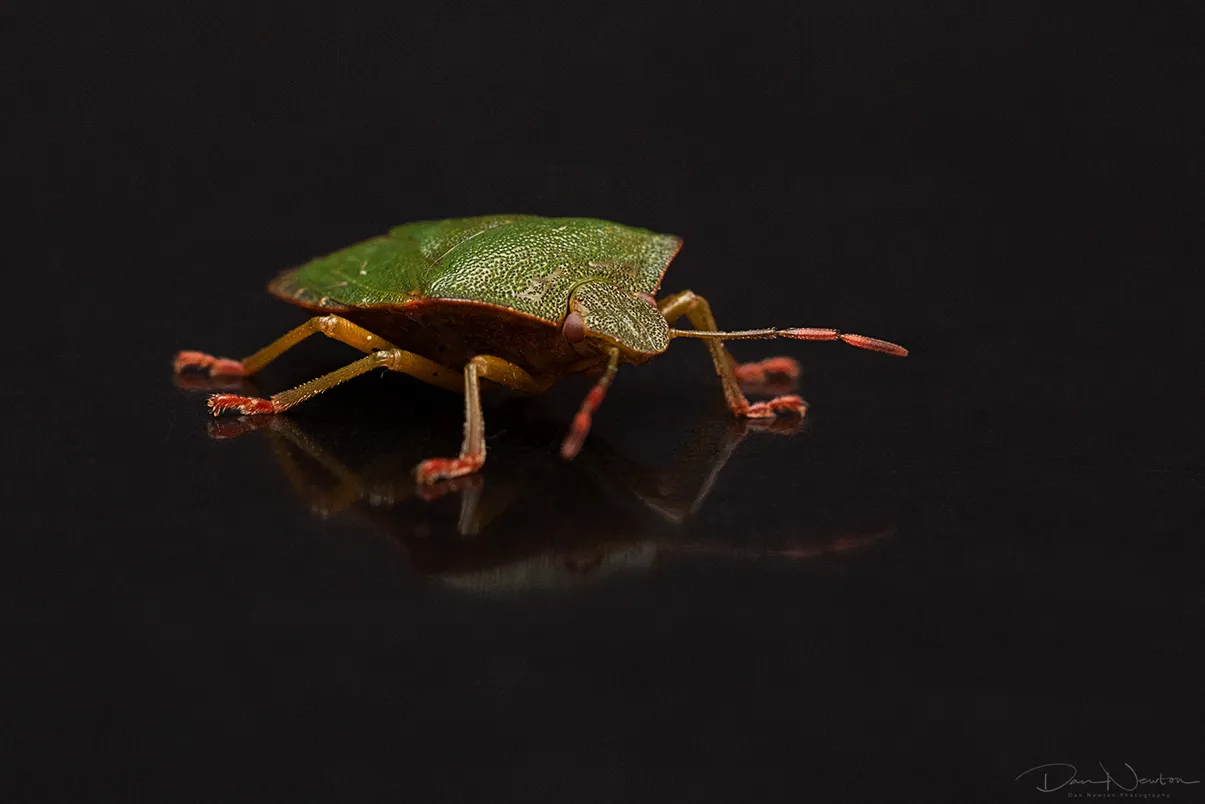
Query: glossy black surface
column 968, row 563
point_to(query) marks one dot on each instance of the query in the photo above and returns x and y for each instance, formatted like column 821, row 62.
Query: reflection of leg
column 332, row 326
column 472, row 451
column 394, row 359
column 814, row 547
column 698, row 311
column 675, row 491
column 323, row 502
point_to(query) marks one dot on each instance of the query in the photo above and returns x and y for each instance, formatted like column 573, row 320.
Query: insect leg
column 394, row 359
column 472, row 451
column 332, row 326
column 698, row 311
column 581, row 422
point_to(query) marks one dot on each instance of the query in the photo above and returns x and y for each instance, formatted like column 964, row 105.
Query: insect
column 517, row 301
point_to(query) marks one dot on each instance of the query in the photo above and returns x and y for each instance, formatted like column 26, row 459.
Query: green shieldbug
column 516, row 300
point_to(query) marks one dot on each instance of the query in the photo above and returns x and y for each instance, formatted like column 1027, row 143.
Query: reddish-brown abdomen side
column 453, row 332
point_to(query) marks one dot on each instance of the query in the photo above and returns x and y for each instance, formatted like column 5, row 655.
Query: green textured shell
column 525, row 263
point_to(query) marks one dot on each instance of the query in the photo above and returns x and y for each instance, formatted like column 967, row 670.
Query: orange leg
column 381, row 354
column 472, row 451
column 698, row 311
column 331, row 326
column 393, row 359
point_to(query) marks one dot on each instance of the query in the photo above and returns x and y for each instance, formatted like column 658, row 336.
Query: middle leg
column 394, row 359
column 472, row 451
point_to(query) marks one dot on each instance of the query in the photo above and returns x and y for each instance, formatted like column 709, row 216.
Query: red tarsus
column 221, row 403
column 217, row 366
column 196, row 381
column 763, row 370
column 780, row 404
column 437, row 468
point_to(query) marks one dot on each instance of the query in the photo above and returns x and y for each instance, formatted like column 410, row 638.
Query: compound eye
column 574, row 328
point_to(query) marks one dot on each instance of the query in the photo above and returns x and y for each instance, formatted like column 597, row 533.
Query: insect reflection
column 532, row 520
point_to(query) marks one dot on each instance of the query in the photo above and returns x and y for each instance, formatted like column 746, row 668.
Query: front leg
column 698, row 311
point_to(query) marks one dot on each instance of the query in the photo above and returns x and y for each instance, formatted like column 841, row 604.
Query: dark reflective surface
column 968, row 563
column 533, row 521
column 278, row 610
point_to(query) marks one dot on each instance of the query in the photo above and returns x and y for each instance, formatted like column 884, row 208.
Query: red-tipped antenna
column 799, row 334
column 581, row 422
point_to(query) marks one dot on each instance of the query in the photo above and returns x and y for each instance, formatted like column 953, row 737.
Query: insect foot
column 215, row 366
column 435, row 469
column 223, row 403
column 780, row 404
column 763, row 371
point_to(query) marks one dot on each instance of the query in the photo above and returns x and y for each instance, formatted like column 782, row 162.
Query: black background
column 1012, row 191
